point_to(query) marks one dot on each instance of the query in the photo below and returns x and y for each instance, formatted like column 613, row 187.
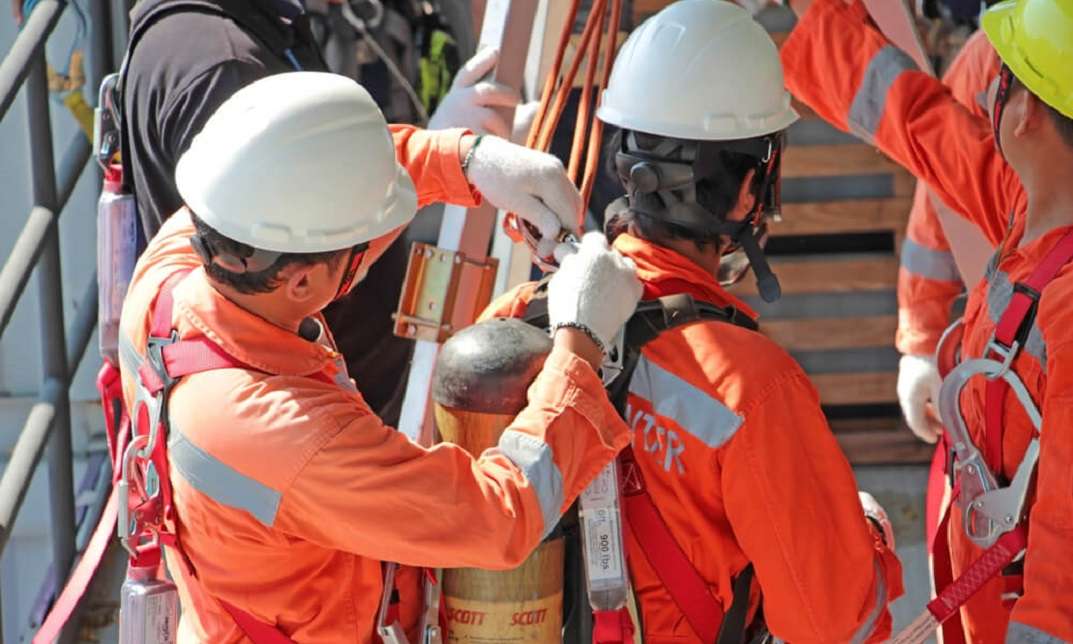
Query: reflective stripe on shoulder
column 871, row 100
column 695, row 411
column 869, row 625
column 1019, row 633
column 219, row 481
column 929, row 263
column 534, row 458
column 999, row 294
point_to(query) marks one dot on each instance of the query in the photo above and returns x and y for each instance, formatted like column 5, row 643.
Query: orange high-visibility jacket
column 928, row 278
column 740, row 461
column 290, row 492
column 843, row 68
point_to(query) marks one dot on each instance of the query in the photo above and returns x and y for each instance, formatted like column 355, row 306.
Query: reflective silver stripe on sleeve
column 695, row 411
column 219, row 481
column 928, row 262
column 871, row 100
column 1019, row 633
column 534, row 458
column 999, row 293
column 881, row 604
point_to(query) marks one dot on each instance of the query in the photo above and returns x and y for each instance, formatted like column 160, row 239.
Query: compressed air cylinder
column 482, row 375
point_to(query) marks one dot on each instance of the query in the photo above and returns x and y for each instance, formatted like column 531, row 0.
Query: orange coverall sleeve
column 371, row 491
column 928, row 280
column 792, row 502
column 928, row 277
column 431, row 157
column 841, row 66
column 1048, row 580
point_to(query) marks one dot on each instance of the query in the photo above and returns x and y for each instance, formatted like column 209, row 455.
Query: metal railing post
column 100, row 44
column 53, row 334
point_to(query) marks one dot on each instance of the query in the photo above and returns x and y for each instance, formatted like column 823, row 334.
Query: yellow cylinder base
column 520, row 605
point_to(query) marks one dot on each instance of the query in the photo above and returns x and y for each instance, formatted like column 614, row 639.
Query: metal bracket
column 443, row 292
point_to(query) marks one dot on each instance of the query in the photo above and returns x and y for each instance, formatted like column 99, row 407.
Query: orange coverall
column 290, row 492
column 928, row 278
column 740, row 461
column 841, row 66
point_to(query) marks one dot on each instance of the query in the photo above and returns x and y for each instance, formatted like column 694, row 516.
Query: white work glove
column 595, row 289
column 470, row 101
column 918, row 384
column 524, row 115
column 874, row 512
column 531, row 184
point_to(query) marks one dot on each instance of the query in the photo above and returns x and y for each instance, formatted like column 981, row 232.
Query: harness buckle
column 1005, row 354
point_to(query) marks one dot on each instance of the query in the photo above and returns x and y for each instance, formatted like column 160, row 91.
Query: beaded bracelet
column 584, row 329
column 469, row 154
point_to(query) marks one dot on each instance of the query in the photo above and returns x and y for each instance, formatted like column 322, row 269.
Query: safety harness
column 676, row 572
column 141, row 502
column 994, row 511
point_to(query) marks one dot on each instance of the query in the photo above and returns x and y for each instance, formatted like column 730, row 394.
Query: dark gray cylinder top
column 488, row 367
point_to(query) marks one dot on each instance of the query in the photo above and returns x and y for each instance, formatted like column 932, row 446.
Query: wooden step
column 818, row 334
column 829, row 274
column 866, row 388
column 844, row 216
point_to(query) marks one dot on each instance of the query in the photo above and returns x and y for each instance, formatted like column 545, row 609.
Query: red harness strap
column 1012, row 328
column 677, row 574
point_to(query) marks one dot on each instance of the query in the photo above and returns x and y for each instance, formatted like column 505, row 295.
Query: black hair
column 1063, row 124
column 717, row 192
column 263, row 281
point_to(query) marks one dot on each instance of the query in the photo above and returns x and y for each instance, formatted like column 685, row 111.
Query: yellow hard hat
column 1034, row 38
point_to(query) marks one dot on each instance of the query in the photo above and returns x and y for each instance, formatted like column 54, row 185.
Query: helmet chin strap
column 1002, row 96
column 766, row 282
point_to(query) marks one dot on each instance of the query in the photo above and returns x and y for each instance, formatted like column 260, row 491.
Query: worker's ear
column 1028, row 112
column 304, row 283
column 746, row 199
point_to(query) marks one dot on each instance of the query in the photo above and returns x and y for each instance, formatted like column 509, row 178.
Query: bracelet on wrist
column 584, row 329
column 469, row 153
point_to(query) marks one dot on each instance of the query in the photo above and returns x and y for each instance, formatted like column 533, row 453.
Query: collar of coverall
column 665, row 272
column 247, row 337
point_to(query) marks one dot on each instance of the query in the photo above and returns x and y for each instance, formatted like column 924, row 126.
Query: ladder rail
column 47, row 429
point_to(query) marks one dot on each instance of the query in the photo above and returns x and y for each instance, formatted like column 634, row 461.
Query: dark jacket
column 187, row 58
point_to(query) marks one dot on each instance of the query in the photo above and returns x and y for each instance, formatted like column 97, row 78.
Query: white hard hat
column 699, row 70
column 297, row 163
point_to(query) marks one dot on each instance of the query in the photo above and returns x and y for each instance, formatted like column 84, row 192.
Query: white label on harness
column 602, row 527
column 161, row 618
column 602, row 544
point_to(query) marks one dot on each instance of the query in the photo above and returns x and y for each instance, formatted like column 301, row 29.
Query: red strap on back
column 1009, row 324
column 612, row 627
column 677, row 574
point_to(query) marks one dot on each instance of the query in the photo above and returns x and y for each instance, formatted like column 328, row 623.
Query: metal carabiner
column 123, row 522
column 971, row 468
column 989, row 511
column 390, row 633
column 431, row 633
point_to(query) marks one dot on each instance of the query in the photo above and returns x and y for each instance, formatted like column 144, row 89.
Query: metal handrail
column 48, row 425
